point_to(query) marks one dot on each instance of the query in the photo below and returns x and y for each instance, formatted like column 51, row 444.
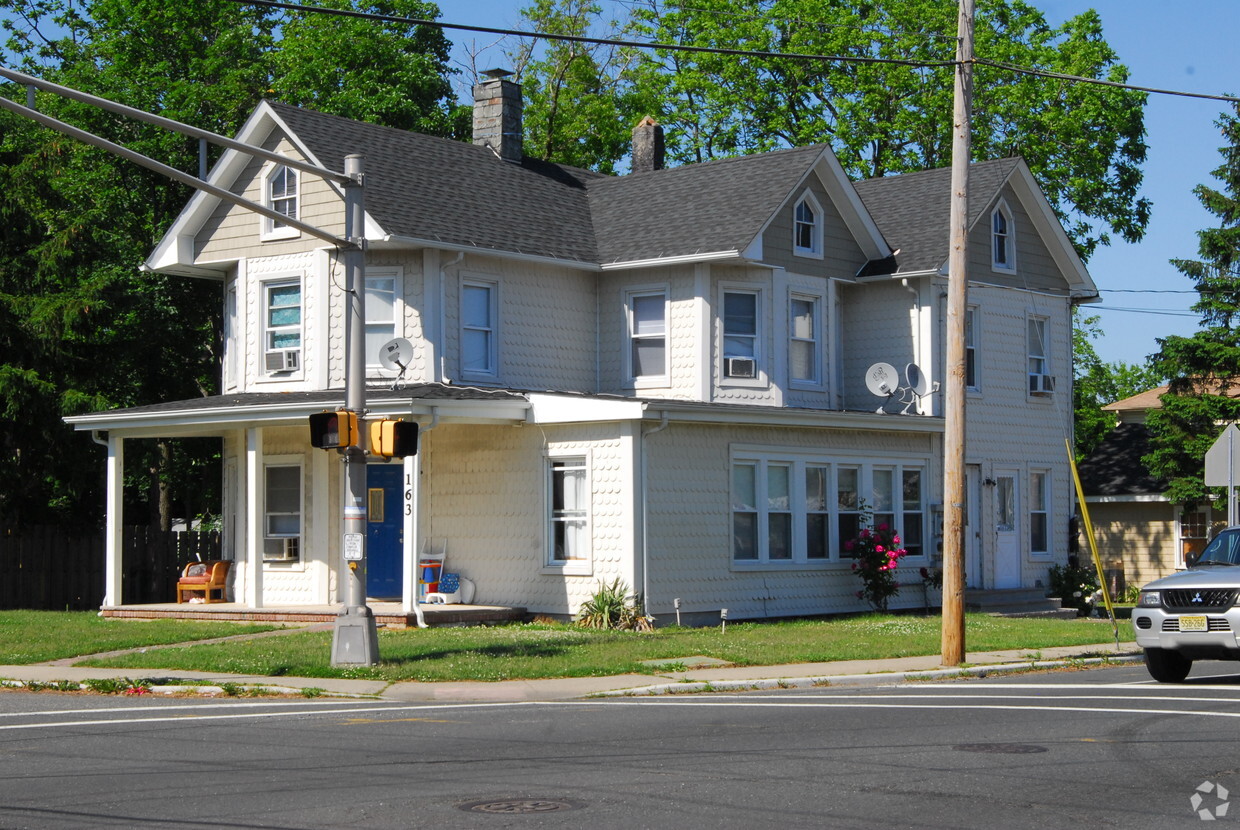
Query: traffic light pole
column 355, row 640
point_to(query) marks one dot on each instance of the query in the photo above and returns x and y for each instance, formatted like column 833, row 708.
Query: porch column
column 253, row 517
column 114, row 542
column 411, row 497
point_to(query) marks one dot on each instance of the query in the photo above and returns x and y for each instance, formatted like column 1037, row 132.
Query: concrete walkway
column 686, row 676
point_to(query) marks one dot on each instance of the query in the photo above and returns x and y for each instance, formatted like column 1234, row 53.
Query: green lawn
column 540, row 651
column 38, row 636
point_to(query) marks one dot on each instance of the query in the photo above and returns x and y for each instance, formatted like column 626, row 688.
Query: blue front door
column 384, row 531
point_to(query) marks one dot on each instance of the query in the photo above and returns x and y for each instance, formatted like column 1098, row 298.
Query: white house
column 658, row 377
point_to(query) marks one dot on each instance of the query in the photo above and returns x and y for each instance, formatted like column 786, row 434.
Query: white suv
column 1192, row 615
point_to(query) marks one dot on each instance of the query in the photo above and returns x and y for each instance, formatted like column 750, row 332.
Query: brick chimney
column 497, row 114
column 647, row 146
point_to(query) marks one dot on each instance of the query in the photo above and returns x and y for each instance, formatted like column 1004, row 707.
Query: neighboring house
column 1137, row 530
column 658, row 378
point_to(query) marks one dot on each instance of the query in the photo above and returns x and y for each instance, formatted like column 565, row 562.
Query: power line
column 1158, row 312
column 716, row 50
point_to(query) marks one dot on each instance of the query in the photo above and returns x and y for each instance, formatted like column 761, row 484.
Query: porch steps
column 1016, row 602
column 387, row 614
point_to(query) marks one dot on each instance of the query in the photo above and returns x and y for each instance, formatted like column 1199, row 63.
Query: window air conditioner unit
column 284, row 360
column 741, row 367
column 286, row 553
column 1041, row 384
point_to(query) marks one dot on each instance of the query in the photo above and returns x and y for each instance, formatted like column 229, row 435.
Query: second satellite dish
column 917, row 380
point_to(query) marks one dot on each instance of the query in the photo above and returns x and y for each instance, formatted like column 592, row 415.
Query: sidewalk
column 698, row 676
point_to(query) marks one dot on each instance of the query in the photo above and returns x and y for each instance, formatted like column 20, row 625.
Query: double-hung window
column 970, row 348
column 1041, row 382
column 803, row 339
column 479, row 332
column 282, row 315
column 569, row 515
column 381, row 297
column 281, row 194
column 1039, row 513
column 740, row 335
column 647, row 316
column 1003, row 254
column 794, row 509
column 807, row 227
column 282, row 509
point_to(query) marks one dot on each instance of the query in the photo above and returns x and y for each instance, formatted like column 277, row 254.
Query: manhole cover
column 520, row 805
column 1001, row 749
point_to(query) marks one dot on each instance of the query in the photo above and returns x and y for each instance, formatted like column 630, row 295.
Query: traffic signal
column 333, row 430
column 393, row 439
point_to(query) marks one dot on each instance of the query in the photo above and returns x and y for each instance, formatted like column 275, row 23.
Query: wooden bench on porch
column 206, row 577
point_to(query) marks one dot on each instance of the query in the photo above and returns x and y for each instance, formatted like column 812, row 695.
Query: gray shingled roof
column 1114, row 468
column 718, row 205
column 452, row 192
column 913, row 210
column 449, row 191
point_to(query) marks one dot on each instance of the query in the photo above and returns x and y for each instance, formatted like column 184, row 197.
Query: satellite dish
column 881, row 380
column 917, row 380
column 396, row 355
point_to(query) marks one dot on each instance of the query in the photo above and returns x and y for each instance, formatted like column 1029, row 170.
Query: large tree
column 888, row 109
column 1097, row 383
column 83, row 328
column 1204, row 368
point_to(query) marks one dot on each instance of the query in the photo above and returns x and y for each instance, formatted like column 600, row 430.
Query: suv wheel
column 1167, row 666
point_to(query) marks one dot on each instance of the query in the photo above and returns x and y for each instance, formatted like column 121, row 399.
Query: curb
column 828, row 680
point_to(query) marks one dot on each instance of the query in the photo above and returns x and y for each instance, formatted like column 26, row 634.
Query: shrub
column 878, row 553
column 611, row 607
column 1074, row 587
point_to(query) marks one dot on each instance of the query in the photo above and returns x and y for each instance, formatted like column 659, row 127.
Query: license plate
column 1195, row 623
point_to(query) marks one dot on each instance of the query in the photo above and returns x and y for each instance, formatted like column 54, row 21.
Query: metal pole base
column 355, row 639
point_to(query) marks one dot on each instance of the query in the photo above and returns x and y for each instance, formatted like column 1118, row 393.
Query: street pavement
column 685, row 676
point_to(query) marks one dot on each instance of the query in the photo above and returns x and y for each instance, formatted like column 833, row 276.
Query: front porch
column 387, row 614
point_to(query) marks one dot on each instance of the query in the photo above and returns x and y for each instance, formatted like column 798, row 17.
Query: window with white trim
column 282, row 508
column 282, row 316
column 782, row 511
column 569, row 515
column 1002, row 240
column 381, row 295
column 1039, row 513
column 807, row 227
column 281, row 193
column 647, row 322
column 740, row 335
column 479, row 341
column 1041, row 382
column 970, row 348
column 804, row 336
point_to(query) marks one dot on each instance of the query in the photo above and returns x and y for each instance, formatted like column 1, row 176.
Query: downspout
column 95, row 436
column 645, row 511
column 917, row 338
column 443, row 326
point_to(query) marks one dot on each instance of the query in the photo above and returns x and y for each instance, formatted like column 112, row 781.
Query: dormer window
column 1002, row 240
column 807, row 227
column 281, row 196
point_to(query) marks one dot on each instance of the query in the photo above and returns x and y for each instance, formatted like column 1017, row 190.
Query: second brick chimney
column 647, row 146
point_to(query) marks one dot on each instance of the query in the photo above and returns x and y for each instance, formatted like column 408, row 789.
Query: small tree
column 878, row 553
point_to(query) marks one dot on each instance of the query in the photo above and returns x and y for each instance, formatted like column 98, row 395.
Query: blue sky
column 1188, row 46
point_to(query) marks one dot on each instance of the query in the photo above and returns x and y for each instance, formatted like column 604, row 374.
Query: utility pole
column 953, row 646
column 355, row 640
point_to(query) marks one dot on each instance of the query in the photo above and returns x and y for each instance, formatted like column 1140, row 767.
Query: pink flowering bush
column 877, row 553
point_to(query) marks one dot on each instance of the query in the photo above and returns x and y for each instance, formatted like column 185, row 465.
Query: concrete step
column 1016, row 602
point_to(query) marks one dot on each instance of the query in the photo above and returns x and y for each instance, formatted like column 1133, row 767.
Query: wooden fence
column 48, row 568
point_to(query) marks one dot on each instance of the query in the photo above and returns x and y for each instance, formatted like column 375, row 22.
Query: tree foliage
column 1204, row 368
column 889, row 108
column 1097, row 383
column 83, row 328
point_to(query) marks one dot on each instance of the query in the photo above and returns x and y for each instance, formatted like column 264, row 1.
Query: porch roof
column 215, row 414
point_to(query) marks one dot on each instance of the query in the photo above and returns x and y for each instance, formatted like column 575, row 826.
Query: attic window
column 807, row 227
column 281, row 194
column 1002, row 247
